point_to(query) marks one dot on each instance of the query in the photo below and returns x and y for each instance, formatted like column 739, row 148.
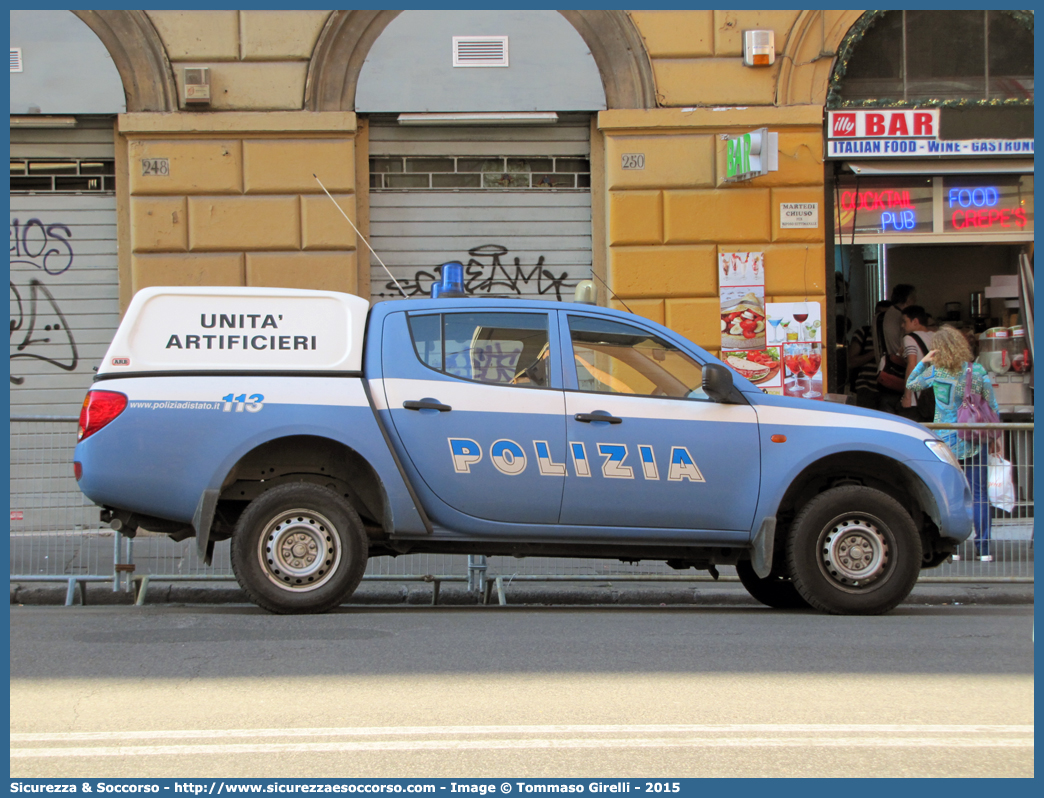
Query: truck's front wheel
column 772, row 591
column 299, row 548
column 853, row 550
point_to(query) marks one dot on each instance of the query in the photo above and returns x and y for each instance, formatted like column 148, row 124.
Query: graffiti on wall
column 39, row 330
column 486, row 273
column 45, row 246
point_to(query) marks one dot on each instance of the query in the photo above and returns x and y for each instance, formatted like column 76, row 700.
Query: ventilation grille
column 62, row 176
column 480, row 51
column 16, row 59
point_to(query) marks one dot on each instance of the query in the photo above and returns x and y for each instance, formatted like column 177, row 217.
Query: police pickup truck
column 316, row 432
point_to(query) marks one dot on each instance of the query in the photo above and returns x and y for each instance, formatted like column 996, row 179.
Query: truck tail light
column 99, row 408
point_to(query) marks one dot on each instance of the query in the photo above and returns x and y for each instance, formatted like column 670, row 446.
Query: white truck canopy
column 216, row 329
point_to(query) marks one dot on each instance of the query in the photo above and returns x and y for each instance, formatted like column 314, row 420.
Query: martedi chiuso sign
column 907, row 132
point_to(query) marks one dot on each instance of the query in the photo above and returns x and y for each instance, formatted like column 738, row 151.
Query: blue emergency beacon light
column 452, row 284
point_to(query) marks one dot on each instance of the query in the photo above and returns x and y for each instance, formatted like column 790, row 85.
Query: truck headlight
column 943, row 452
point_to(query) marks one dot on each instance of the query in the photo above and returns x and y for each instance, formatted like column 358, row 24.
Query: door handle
column 426, row 404
column 598, row 415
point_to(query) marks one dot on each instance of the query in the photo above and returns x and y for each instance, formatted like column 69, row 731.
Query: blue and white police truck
column 316, row 432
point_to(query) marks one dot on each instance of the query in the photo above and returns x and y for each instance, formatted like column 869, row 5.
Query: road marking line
column 367, row 731
column 485, row 745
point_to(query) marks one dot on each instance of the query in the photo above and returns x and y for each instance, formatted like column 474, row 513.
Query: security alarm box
column 759, row 47
column 197, row 85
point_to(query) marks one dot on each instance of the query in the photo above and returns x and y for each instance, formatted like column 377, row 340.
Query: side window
column 426, row 332
column 612, row 357
column 491, row 347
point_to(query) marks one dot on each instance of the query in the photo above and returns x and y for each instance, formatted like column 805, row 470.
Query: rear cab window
column 500, row 348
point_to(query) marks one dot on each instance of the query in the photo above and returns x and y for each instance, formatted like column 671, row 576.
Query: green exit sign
column 751, row 155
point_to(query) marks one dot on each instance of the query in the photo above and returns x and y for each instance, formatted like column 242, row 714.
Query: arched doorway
column 139, row 56
column 511, row 199
column 70, row 77
column 614, row 42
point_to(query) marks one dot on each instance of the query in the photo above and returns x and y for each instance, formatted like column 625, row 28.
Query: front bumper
column 950, row 504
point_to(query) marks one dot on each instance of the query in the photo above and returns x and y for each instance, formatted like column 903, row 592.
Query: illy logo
column 844, row 125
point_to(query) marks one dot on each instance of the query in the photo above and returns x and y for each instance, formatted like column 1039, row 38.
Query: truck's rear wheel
column 773, row 591
column 854, row 550
column 299, row 548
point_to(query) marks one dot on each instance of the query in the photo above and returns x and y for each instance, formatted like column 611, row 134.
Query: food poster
column 763, row 367
column 741, row 289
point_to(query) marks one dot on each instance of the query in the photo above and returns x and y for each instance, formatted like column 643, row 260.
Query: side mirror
column 718, row 385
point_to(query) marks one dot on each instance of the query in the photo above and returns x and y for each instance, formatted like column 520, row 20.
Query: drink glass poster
column 795, row 328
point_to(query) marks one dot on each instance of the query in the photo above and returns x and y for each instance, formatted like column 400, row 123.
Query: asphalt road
column 514, row 692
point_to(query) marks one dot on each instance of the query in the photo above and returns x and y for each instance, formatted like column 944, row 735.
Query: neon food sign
column 977, row 208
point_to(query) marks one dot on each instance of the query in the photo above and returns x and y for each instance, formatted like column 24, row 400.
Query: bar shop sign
column 798, row 214
column 751, row 155
column 889, row 133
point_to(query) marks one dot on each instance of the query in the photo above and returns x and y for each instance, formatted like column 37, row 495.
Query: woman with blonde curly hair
column 945, row 370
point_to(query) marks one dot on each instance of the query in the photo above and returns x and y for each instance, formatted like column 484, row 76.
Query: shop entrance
column 960, row 236
column 951, row 280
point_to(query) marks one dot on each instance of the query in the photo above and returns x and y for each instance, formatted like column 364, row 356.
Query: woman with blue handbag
column 962, row 388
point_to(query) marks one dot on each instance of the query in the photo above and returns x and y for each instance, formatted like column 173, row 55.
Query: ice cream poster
column 741, row 268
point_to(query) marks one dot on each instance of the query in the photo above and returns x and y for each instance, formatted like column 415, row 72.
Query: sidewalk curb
column 607, row 594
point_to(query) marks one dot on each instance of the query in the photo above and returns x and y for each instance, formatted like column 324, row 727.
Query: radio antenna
column 611, row 291
column 356, row 229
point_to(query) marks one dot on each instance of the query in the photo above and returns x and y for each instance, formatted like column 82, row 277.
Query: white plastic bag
column 1001, row 485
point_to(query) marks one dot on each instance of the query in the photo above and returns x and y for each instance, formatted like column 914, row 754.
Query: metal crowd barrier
column 56, row 535
column 1011, row 534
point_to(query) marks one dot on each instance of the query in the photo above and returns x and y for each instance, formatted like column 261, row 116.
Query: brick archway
column 809, row 55
column 139, row 56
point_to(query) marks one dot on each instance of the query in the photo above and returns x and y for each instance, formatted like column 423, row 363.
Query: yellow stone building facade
column 223, row 193
column 240, row 206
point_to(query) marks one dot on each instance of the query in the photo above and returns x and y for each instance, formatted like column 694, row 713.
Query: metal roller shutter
column 64, row 298
column 64, row 311
column 64, row 276
column 513, row 204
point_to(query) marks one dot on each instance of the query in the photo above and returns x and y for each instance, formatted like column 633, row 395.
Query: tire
column 773, row 591
column 276, row 543
column 853, row 550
